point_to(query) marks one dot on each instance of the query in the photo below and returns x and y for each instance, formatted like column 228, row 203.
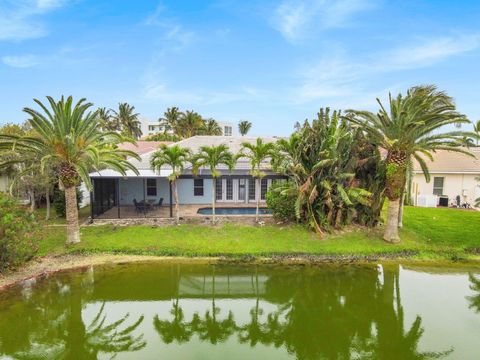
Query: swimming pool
column 233, row 211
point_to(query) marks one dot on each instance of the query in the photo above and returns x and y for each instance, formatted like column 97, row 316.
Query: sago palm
column 127, row 119
column 212, row 157
column 66, row 137
column 244, row 127
column 407, row 131
column 174, row 157
column 257, row 154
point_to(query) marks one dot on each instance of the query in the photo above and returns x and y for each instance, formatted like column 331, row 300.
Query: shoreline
column 49, row 265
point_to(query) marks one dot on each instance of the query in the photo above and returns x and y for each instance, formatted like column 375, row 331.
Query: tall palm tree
column 476, row 128
column 257, row 154
column 107, row 121
column 67, row 139
column 406, row 131
column 211, row 127
column 190, row 124
column 127, row 119
column 170, row 119
column 244, row 127
column 212, row 157
column 174, row 157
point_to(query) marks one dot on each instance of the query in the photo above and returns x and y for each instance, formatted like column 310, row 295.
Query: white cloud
column 340, row 76
column 294, row 19
column 19, row 20
column 21, row 61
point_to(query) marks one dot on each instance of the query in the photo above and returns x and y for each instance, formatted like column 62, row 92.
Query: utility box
column 427, row 201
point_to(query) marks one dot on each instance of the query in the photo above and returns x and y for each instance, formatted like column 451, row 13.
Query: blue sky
column 270, row 62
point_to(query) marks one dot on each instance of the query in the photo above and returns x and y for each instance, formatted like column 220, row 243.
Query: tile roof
column 142, row 147
column 452, row 162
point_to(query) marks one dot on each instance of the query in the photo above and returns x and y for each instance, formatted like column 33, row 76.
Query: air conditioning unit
column 427, row 201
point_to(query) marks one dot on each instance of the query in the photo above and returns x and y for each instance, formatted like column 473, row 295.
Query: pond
column 180, row 310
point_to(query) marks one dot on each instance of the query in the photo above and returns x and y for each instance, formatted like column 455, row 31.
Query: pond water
column 200, row 311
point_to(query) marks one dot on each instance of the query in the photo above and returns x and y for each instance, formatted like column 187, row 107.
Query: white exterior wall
column 464, row 185
column 185, row 192
column 132, row 188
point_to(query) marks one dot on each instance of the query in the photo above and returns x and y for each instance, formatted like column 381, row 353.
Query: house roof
column 452, row 162
column 193, row 143
column 234, row 143
column 142, row 147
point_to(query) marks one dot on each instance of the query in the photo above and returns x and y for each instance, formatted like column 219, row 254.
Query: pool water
column 233, row 211
column 175, row 310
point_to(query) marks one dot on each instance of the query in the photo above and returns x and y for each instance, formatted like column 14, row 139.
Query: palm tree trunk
column 175, row 198
column 257, row 195
column 32, row 200
column 391, row 227
column 71, row 210
column 400, row 210
column 214, row 185
column 47, row 200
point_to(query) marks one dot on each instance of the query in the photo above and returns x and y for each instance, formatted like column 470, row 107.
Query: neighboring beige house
column 452, row 174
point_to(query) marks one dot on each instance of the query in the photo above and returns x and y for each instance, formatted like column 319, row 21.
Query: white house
column 452, row 174
column 120, row 196
column 150, row 127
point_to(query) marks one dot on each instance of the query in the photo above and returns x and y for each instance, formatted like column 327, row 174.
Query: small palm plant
column 212, row 157
column 244, row 127
column 176, row 158
column 67, row 138
column 407, row 131
column 257, row 154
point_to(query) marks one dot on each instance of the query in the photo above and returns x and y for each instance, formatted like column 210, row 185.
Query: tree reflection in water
column 474, row 300
column 54, row 328
column 338, row 314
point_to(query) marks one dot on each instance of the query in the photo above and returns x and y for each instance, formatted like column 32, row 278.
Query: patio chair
column 159, row 204
column 139, row 208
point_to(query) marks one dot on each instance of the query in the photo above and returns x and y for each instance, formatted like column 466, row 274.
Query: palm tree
column 211, row 127
column 190, row 124
column 170, row 119
column 212, row 157
column 476, row 128
column 128, row 120
column 67, row 139
column 257, row 154
column 174, row 157
column 107, row 121
column 406, row 132
column 244, row 127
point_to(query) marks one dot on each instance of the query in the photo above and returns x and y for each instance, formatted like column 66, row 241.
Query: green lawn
column 40, row 213
column 428, row 233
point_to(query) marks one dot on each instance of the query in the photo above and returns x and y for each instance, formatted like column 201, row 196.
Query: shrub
column 59, row 201
column 17, row 244
column 281, row 203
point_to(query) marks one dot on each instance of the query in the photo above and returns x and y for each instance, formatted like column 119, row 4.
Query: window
column 438, row 185
column 219, row 189
column 229, row 192
column 151, row 187
column 198, row 187
column 227, row 130
column 263, row 189
column 251, row 189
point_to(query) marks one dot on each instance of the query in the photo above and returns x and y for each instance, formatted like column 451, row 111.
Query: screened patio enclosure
column 131, row 198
